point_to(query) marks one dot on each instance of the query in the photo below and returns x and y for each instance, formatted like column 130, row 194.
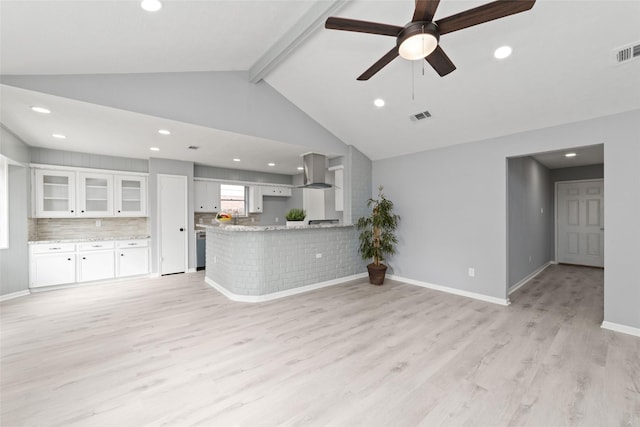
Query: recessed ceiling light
column 378, row 102
column 300, row 168
column 164, row 132
column 154, row 149
column 502, row 52
column 236, row 160
column 41, row 110
column 271, row 164
column 151, row 5
column 59, row 136
column 570, row 155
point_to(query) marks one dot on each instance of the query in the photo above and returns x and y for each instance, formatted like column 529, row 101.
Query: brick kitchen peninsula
column 260, row 263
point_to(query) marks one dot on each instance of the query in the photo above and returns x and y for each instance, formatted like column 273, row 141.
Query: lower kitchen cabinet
column 52, row 269
column 95, row 265
column 132, row 258
column 66, row 263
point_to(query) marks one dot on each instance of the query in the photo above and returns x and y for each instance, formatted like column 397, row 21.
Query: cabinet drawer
column 51, row 248
column 138, row 243
column 95, row 246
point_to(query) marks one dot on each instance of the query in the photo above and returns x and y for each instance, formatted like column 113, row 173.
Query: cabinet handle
column 81, row 211
column 181, row 229
column 96, row 246
column 71, row 210
column 121, row 254
column 133, row 244
column 118, row 211
column 84, row 257
column 68, row 259
column 54, row 249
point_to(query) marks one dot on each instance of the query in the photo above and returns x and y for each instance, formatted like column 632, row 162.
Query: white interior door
column 172, row 213
column 580, row 222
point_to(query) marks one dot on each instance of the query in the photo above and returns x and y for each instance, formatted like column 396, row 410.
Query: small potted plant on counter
column 295, row 217
column 377, row 237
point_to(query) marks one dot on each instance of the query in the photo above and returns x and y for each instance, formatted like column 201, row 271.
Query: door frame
column 186, row 220
column 555, row 208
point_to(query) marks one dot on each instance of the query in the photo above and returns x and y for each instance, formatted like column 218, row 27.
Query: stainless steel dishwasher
column 201, row 250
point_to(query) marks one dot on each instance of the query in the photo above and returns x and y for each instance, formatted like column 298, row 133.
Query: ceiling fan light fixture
column 151, row 5
column 418, row 40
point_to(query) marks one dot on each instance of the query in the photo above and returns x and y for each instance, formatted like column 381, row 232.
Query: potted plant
column 377, row 237
column 295, row 217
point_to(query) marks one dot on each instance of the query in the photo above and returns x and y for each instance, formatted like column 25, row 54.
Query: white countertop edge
column 231, row 227
column 95, row 239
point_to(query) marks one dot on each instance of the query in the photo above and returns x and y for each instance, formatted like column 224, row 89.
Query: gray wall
column 47, row 156
column 223, row 100
column 453, row 203
column 14, row 260
column 531, row 218
column 202, row 171
column 170, row 167
column 578, row 172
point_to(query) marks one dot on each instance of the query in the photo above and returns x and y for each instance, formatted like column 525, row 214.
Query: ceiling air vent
column 628, row 53
column 420, row 116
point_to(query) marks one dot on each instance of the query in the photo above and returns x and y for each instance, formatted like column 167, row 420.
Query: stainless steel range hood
column 315, row 168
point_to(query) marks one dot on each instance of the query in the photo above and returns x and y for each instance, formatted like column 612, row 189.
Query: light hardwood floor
column 173, row 352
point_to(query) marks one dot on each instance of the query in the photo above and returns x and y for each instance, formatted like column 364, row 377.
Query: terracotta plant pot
column 376, row 273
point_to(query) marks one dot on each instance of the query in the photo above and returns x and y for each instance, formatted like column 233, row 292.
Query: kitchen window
column 233, row 199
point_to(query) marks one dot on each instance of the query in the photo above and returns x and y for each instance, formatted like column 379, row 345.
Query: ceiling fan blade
column 440, row 62
column 388, row 57
column 425, row 9
column 485, row 13
column 345, row 24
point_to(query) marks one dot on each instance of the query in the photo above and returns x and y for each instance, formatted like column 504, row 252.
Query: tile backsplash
column 80, row 228
column 207, row 218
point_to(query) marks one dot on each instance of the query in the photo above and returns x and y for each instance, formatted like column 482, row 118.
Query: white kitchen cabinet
column 95, row 265
column 132, row 258
column 276, row 191
column 95, row 195
column 206, row 196
column 255, row 199
column 52, row 264
column 55, row 193
column 130, row 196
column 339, row 189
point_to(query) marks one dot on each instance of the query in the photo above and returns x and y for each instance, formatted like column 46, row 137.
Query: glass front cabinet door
column 55, row 194
column 95, row 195
column 131, row 196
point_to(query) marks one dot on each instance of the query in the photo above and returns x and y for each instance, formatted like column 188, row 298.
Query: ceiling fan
column 419, row 38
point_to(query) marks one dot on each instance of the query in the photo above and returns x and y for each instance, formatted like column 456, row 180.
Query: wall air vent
column 193, row 147
column 628, row 53
column 420, row 116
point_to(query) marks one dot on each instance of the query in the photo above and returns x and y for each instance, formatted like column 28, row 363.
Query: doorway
column 172, row 224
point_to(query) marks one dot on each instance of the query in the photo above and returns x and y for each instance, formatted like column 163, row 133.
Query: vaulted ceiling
column 562, row 69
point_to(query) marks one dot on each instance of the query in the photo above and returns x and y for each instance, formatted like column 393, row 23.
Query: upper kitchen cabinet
column 131, row 195
column 55, row 193
column 69, row 193
column 207, row 196
column 274, row 190
column 95, row 195
column 255, row 199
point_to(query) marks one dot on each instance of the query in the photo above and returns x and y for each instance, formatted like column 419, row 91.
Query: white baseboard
column 275, row 295
column 481, row 297
column 621, row 328
column 522, row 282
column 14, row 295
column 111, row 281
column 192, row 270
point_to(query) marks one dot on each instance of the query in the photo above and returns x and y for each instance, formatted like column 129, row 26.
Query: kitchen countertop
column 91, row 239
column 231, row 227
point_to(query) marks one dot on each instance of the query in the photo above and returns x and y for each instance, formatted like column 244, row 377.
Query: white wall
column 453, row 204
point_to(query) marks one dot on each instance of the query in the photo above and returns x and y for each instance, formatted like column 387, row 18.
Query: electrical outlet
column 215, row 259
column 541, row 210
column 318, row 256
column 200, row 220
column 98, row 223
column 472, row 272
column 529, row 258
column 253, row 219
column 277, row 219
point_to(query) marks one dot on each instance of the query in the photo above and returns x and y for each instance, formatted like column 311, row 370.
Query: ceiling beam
column 310, row 21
